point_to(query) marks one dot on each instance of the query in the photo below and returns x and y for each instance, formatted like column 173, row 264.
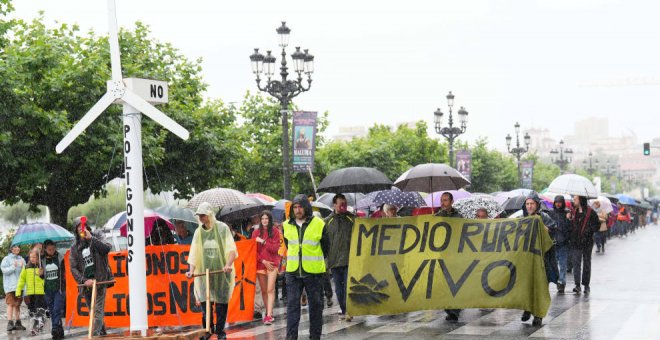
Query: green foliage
column 491, row 170
column 19, row 213
column 543, row 173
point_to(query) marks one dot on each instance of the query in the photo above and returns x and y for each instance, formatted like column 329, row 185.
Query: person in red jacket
column 268, row 261
column 622, row 220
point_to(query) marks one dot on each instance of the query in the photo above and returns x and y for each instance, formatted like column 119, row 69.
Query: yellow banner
column 400, row 265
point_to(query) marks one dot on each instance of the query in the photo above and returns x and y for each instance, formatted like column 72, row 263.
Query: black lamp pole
column 562, row 161
column 284, row 89
column 518, row 151
column 450, row 132
column 591, row 168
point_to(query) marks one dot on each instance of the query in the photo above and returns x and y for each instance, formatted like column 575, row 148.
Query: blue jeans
column 55, row 303
column 340, row 277
column 562, row 261
column 313, row 285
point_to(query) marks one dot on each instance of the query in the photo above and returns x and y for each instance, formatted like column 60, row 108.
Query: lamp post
column 562, row 161
column 450, row 132
column 591, row 167
column 518, row 150
column 283, row 89
column 608, row 169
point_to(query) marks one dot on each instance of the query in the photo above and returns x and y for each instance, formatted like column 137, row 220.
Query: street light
column 608, row 169
column 591, row 167
column 518, row 151
column 450, row 132
column 562, row 161
column 284, row 89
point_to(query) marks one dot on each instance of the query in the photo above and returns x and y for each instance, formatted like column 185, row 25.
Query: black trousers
column 581, row 259
column 217, row 327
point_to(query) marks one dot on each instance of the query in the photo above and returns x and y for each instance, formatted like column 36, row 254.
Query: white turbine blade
column 143, row 106
column 113, row 39
column 85, row 121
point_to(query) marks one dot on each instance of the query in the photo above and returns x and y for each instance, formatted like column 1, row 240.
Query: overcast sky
column 545, row 63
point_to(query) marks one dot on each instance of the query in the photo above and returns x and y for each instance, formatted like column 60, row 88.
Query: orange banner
column 170, row 295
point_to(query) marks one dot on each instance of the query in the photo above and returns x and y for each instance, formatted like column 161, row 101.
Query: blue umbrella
column 39, row 232
column 625, row 199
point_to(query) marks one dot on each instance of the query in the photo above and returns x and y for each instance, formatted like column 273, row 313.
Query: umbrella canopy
column 393, row 197
column 520, row 191
column 573, row 185
column 219, row 197
column 262, row 197
column 150, row 217
column 431, row 177
column 173, row 212
column 433, row 199
column 351, row 198
column 354, row 179
column 514, row 203
column 625, row 199
column 39, row 232
column 468, row 206
column 646, row 205
column 605, row 203
column 611, row 197
column 238, row 212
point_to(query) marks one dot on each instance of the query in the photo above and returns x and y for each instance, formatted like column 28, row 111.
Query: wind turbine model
column 134, row 94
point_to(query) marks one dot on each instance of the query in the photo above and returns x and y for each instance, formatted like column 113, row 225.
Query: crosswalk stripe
column 641, row 324
column 487, row 324
column 280, row 322
column 564, row 325
column 400, row 327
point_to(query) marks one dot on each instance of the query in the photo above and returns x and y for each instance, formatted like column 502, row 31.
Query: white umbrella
column 573, row 185
column 605, row 203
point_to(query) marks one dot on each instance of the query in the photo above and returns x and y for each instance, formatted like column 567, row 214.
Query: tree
column 56, row 75
column 20, row 212
column 491, row 170
column 544, row 173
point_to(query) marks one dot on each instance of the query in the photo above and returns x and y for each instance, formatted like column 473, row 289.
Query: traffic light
column 647, row 149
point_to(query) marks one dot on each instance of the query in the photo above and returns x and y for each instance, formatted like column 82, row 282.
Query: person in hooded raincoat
column 213, row 248
column 533, row 207
column 584, row 224
column 561, row 238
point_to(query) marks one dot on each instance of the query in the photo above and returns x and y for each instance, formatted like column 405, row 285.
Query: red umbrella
column 149, row 218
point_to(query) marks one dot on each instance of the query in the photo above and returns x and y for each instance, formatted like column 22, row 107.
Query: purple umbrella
column 433, row 199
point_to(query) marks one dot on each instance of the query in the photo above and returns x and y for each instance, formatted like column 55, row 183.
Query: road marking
column 574, row 318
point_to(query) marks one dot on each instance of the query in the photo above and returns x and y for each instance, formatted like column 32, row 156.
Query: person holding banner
column 212, row 248
column 585, row 224
column 268, row 261
column 88, row 262
column 447, row 210
column 340, row 229
column 533, row 207
column 307, row 243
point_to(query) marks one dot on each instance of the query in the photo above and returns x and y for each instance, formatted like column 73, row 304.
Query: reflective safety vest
column 311, row 254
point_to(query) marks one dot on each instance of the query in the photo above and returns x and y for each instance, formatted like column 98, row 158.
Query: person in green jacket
column 34, row 292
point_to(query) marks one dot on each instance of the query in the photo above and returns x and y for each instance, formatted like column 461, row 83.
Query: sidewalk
column 72, row 333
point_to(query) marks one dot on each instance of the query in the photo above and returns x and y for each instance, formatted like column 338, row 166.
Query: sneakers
column 268, row 320
column 526, row 315
column 577, row 289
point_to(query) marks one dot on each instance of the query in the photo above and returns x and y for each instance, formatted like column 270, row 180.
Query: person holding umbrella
column 52, row 272
column 585, row 224
column 88, row 262
column 12, row 265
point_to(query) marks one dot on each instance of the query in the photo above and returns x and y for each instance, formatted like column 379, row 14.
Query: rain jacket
column 95, row 250
column 34, row 285
column 210, row 250
column 550, row 256
column 547, row 220
column 54, row 270
column 584, row 225
column 340, row 229
column 309, row 217
column 449, row 213
column 10, row 272
column 563, row 230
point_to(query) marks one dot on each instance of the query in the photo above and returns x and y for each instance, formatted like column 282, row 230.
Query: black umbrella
column 354, row 179
column 514, row 203
column 242, row 211
column 431, row 177
column 351, row 198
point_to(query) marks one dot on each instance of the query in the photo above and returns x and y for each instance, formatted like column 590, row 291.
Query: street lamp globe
column 517, row 127
column 257, row 61
column 463, row 116
column 269, row 65
column 508, row 141
column 298, row 60
column 309, row 63
column 283, row 32
column 437, row 119
column 528, row 140
column 450, row 100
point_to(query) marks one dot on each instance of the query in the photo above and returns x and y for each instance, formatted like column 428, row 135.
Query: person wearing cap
column 561, row 236
column 12, row 265
column 307, row 242
column 213, row 248
column 52, row 272
column 88, row 262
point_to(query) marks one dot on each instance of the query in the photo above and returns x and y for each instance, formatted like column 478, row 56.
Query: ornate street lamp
column 591, row 167
column 450, row 132
column 284, row 89
column 518, row 150
column 562, row 161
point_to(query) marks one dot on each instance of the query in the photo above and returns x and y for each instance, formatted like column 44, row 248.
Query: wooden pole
column 91, row 310
column 208, row 301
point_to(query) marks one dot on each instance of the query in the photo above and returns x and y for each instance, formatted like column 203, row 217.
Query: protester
column 268, row 261
column 585, row 224
column 447, row 210
column 622, row 221
column 52, row 272
column 561, row 237
column 390, row 210
column 160, row 234
column 600, row 235
column 307, row 242
column 88, row 262
column 183, row 236
column 533, row 207
column 12, row 265
column 34, row 292
column 481, row 213
column 213, row 248
column 339, row 225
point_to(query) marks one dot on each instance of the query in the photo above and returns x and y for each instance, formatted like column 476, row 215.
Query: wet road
column 624, row 304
